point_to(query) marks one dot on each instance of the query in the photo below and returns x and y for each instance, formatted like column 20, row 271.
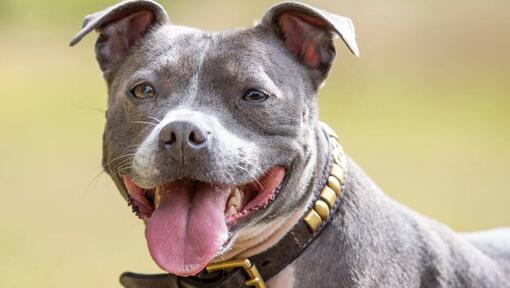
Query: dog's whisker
column 225, row 171
column 118, row 161
column 144, row 122
column 208, row 176
column 133, row 147
column 155, row 119
column 126, row 163
column 125, row 160
column 93, row 181
column 252, row 165
column 122, row 169
column 251, row 176
column 99, row 110
column 119, row 158
column 232, row 179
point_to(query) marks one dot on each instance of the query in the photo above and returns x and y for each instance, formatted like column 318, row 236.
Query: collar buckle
column 255, row 279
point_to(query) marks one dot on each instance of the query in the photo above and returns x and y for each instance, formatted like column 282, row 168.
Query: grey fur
column 376, row 242
column 200, row 77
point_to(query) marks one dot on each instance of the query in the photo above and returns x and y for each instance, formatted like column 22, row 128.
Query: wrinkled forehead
column 170, row 50
column 179, row 54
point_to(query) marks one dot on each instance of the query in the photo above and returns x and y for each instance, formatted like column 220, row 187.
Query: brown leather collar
column 264, row 266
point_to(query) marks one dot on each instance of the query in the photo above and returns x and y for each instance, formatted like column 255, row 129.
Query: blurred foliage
column 425, row 111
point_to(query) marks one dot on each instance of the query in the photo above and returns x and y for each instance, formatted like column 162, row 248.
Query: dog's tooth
column 238, row 196
column 235, row 198
column 231, row 210
column 232, row 195
column 157, row 197
column 230, row 201
column 241, row 195
column 233, row 201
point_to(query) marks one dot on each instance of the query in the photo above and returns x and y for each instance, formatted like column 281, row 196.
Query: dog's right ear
column 308, row 35
column 120, row 28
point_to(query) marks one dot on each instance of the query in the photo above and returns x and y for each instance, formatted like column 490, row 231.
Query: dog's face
column 209, row 134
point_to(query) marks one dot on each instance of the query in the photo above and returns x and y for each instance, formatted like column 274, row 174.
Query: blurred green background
column 425, row 111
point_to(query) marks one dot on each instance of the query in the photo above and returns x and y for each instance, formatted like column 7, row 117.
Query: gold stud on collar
column 313, row 219
column 329, row 196
column 334, row 184
column 322, row 209
column 338, row 172
column 333, row 189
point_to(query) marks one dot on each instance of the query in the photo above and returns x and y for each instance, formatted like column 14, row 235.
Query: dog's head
column 209, row 134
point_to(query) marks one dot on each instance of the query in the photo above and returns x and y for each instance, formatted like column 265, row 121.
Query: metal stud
column 313, row 219
column 329, row 196
column 322, row 209
column 338, row 172
column 334, row 184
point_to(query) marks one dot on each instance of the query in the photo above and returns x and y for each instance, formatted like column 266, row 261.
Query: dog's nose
column 183, row 135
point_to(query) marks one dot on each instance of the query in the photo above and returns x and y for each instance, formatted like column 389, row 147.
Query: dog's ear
column 308, row 34
column 120, row 28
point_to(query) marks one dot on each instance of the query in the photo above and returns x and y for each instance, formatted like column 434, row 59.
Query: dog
column 215, row 142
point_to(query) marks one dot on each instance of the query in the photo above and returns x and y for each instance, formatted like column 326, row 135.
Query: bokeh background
column 425, row 111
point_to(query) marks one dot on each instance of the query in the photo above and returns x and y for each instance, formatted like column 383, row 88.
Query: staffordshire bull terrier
column 214, row 140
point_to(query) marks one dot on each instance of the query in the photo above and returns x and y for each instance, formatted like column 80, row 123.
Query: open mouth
column 187, row 221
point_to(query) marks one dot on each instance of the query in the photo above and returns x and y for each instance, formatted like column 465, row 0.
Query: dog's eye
column 143, row 91
column 255, row 96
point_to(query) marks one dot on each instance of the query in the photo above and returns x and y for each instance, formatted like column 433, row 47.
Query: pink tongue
column 188, row 227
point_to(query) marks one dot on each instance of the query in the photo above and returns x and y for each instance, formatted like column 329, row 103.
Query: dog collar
column 253, row 271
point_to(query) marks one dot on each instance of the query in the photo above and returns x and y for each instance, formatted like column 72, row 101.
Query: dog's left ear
column 308, row 34
column 120, row 28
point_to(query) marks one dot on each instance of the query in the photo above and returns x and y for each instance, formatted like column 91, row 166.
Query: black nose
column 183, row 135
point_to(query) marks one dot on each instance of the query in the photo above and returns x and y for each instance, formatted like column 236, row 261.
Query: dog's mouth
column 188, row 221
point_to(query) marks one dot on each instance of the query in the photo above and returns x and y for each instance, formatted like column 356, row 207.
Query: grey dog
column 214, row 140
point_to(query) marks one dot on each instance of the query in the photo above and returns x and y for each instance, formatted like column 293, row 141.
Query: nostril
column 172, row 139
column 192, row 137
column 197, row 138
column 168, row 136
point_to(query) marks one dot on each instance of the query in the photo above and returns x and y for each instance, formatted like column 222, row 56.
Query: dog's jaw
column 260, row 237
column 183, row 211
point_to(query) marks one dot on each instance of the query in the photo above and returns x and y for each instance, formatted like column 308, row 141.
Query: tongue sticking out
column 188, row 227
